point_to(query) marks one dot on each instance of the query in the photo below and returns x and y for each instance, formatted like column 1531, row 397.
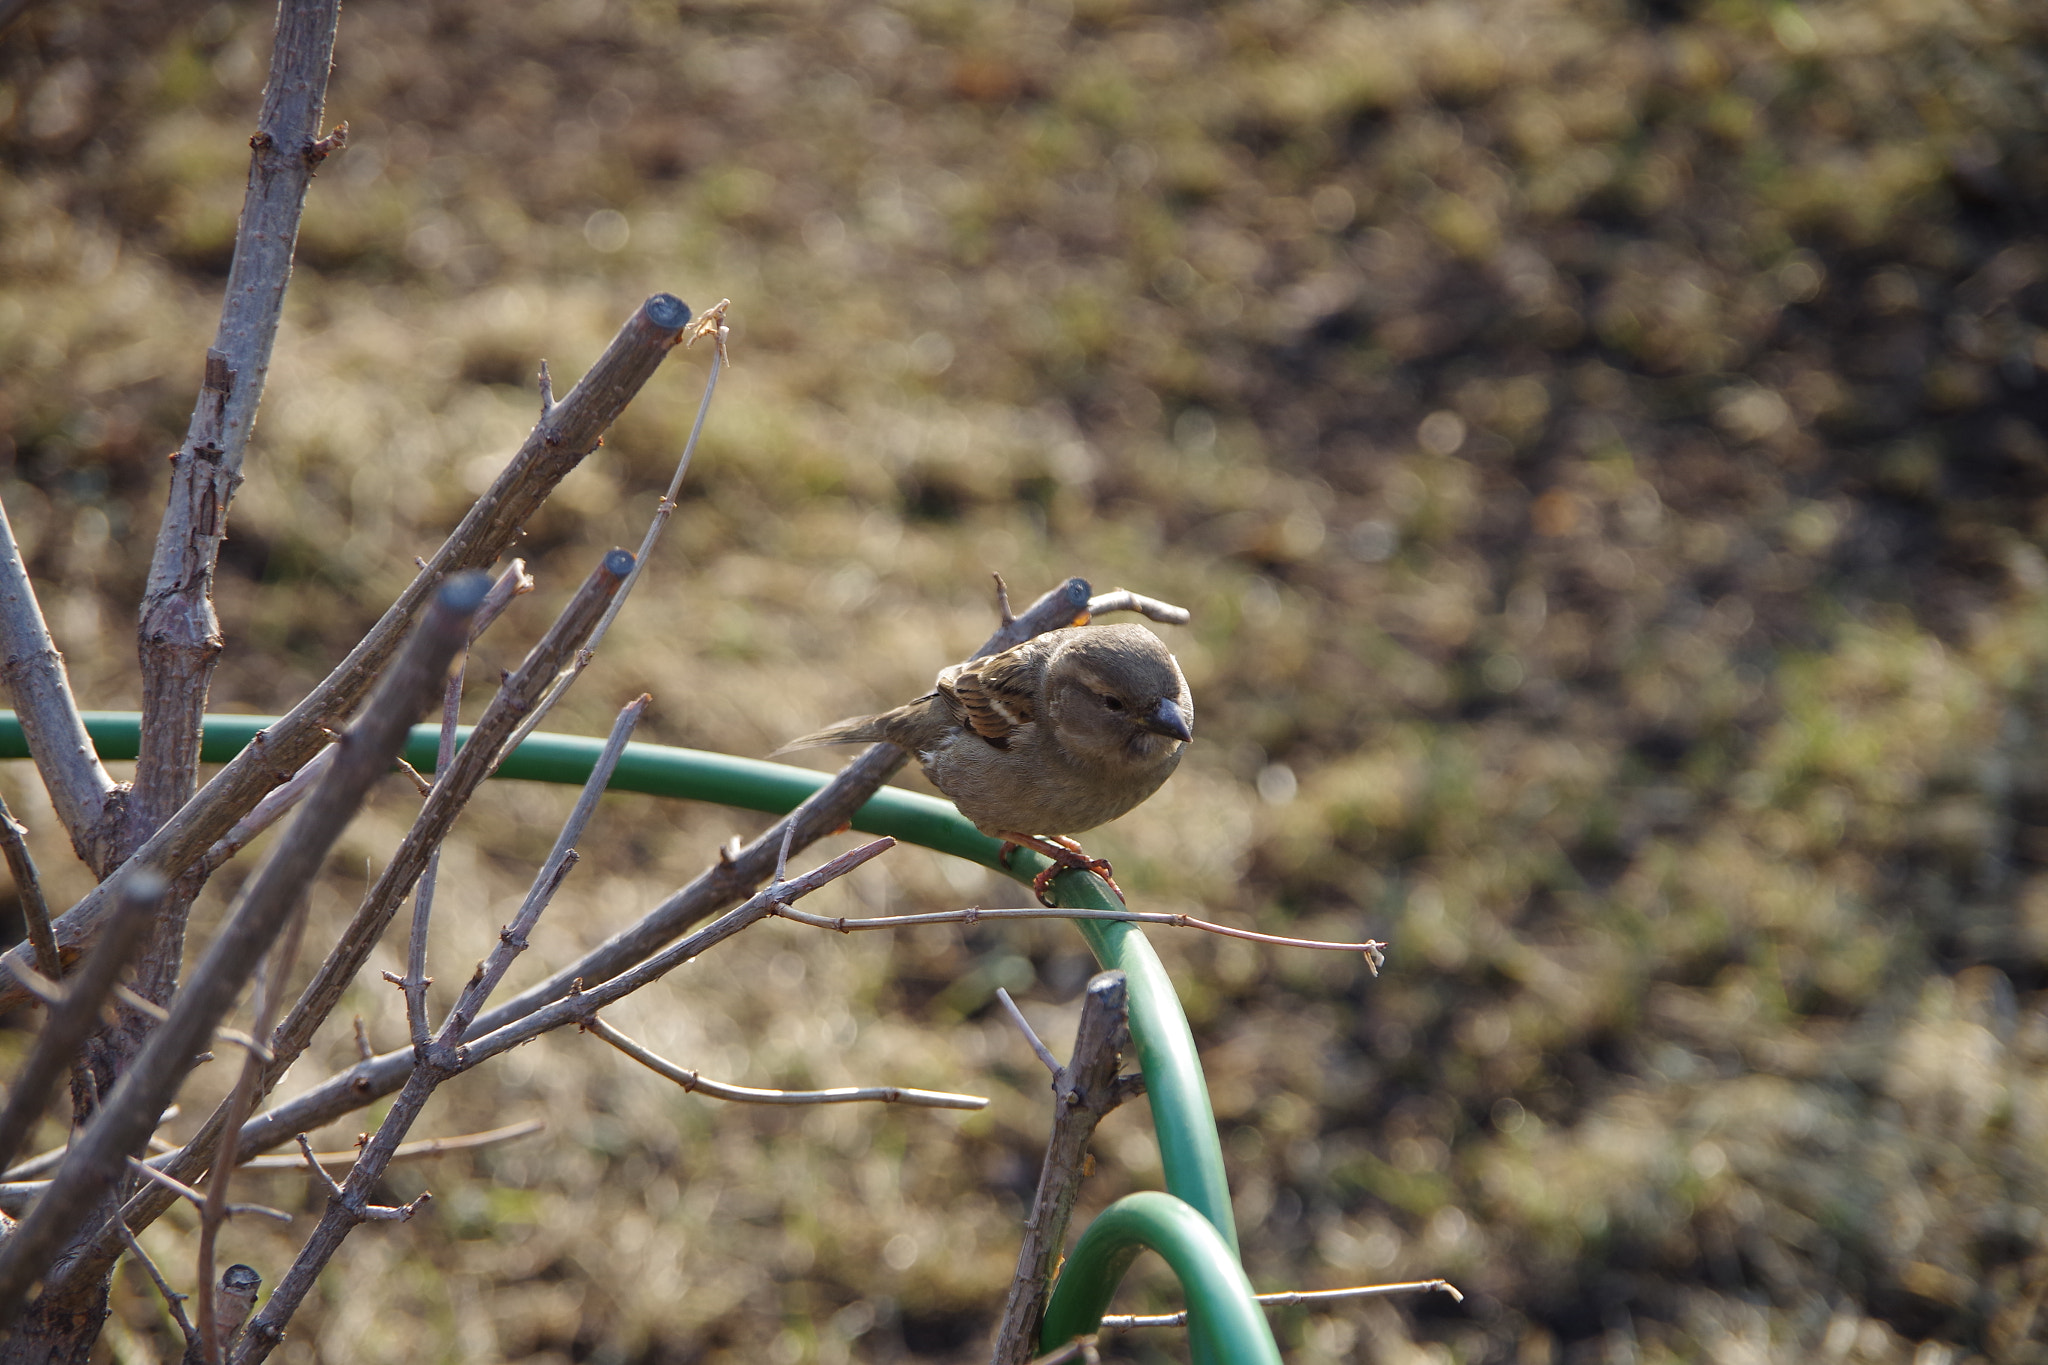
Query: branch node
column 320, row 149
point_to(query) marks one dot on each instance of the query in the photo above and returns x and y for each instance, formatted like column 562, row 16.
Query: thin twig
column 48, row 1161
column 1289, row 1298
column 512, row 940
column 28, row 889
column 1123, row 599
column 663, row 510
column 270, row 989
column 75, row 1014
column 173, row 1300
column 18, row 1192
column 320, row 1176
column 32, row 675
column 338, row 1194
column 131, row 1112
column 198, row 1197
column 1038, row 1046
column 1373, row 949
column 415, row 982
column 741, row 1094
column 514, row 581
column 1082, row 1348
column 510, row 584
column 225, row 1033
column 268, row 811
column 409, row 1151
column 1084, row 1091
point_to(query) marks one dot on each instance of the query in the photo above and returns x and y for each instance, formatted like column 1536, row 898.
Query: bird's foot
column 1065, row 854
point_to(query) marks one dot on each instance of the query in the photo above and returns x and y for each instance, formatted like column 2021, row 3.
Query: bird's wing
column 996, row 696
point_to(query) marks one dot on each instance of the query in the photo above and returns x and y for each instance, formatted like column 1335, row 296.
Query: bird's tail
column 857, row 730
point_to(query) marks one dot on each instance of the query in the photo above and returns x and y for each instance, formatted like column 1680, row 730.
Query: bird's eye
column 1113, row 703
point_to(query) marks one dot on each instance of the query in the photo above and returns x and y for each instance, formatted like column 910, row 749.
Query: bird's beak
column 1168, row 719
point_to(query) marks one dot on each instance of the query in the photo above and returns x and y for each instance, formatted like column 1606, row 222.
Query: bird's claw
column 1065, row 855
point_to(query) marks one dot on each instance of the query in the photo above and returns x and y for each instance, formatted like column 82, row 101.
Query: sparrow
column 1051, row 737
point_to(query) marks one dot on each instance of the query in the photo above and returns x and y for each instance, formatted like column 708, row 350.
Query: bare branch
column 177, row 630
column 173, row 1300
column 1123, row 599
column 512, row 583
column 20, row 1191
column 268, row 811
column 320, row 1175
column 410, row 1151
column 48, row 1161
column 741, row 1094
column 216, row 1208
column 555, row 446
column 1084, row 1090
column 1373, row 949
column 125, row 1121
column 224, row 1033
column 32, row 671
column 415, row 982
column 1038, row 1046
column 513, row 940
column 663, row 510
column 180, row 1188
column 28, row 888
column 1288, row 1299
column 77, row 1012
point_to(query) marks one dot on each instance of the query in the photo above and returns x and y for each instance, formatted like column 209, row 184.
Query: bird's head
column 1118, row 696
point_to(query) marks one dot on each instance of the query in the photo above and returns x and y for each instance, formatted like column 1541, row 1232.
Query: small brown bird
column 1057, row 735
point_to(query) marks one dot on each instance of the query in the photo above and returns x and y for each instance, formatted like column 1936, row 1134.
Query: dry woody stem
column 1084, row 1090
column 696, row 1083
column 1290, row 1299
column 1373, row 949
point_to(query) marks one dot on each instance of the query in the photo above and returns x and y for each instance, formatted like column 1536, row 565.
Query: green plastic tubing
column 1189, row 1151
column 1225, row 1321
column 1183, row 1121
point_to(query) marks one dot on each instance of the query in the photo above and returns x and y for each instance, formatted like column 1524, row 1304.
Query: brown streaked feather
column 997, row 695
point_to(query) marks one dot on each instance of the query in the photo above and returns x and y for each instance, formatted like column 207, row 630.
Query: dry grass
column 1602, row 446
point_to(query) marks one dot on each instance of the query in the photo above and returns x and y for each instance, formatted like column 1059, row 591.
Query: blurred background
column 1604, row 445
